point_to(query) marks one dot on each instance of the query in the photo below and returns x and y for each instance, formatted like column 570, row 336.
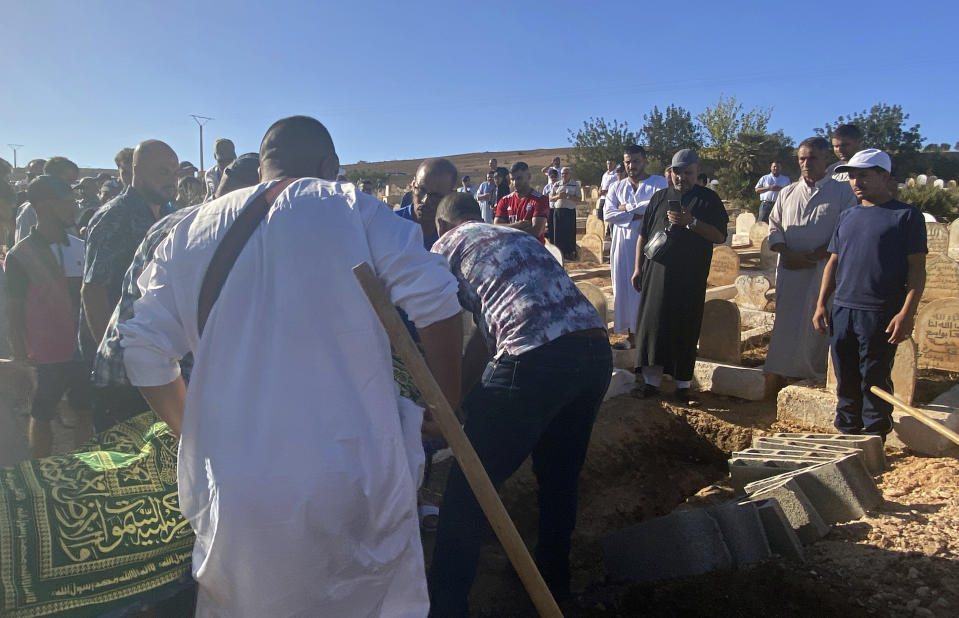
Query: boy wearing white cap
column 877, row 269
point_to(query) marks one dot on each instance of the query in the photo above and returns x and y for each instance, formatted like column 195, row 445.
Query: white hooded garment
column 292, row 468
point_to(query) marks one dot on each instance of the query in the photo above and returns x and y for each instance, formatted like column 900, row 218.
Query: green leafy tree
column 355, row 176
column 883, row 126
column 669, row 131
column 726, row 121
column 594, row 143
column 747, row 158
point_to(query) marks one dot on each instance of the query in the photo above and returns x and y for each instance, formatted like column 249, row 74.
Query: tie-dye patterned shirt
column 519, row 295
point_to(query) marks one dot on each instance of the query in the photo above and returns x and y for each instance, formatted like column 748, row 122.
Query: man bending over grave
column 545, row 362
column 293, row 467
column 801, row 224
column 877, row 268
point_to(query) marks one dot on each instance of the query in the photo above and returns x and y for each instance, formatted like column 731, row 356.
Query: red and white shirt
column 515, row 208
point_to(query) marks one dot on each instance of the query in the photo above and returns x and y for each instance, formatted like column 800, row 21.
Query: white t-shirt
column 608, row 179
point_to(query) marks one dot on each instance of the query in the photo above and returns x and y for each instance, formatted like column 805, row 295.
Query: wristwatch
column 692, row 225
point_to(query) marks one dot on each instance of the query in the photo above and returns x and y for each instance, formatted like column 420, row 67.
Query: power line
column 14, row 148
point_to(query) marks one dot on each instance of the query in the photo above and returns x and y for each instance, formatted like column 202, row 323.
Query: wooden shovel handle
column 462, row 448
column 917, row 414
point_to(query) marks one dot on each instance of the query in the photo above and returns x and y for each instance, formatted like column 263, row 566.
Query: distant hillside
column 475, row 164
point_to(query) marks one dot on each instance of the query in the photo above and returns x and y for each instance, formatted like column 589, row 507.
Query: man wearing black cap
column 43, row 284
column 525, row 208
column 673, row 253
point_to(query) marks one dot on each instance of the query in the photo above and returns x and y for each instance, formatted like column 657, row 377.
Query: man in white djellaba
column 626, row 202
column 801, row 224
column 296, row 465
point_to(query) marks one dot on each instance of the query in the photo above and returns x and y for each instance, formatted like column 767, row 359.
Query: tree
column 355, row 176
column 669, row 132
column 883, row 127
column 725, row 122
column 595, row 143
column 944, row 147
column 747, row 158
column 931, row 148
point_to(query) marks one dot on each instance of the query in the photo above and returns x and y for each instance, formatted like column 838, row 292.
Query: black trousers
column 540, row 403
column 115, row 404
column 564, row 226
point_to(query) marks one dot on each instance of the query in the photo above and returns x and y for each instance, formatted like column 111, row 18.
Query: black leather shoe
column 645, row 391
column 686, row 398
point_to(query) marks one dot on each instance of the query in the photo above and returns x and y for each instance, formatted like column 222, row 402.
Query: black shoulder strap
column 229, row 249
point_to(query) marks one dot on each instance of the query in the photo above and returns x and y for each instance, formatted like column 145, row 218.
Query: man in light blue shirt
column 768, row 188
column 486, row 195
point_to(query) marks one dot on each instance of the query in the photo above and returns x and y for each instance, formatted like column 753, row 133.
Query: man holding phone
column 673, row 253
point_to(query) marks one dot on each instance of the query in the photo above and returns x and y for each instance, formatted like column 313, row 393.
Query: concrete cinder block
column 743, row 382
column 810, row 445
column 681, row 544
column 799, row 510
column 871, row 446
column 806, row 403
column 780, row 534
column 841, row 490
column 920, row 438
column 622, row 382
column 746, row 470
column 743, row 532
column 784, row 454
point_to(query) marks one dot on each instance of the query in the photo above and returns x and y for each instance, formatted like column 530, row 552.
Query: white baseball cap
column 864, row 159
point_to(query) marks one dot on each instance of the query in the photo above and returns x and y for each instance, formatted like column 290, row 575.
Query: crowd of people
column 228, row 306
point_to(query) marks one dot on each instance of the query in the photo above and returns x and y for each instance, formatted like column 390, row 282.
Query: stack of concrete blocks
column 819, row 493
column 689, row 543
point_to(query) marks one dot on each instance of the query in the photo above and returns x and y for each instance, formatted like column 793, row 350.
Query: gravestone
column 921, row 179
column 953, row 241
column 768, row 259
column 751, row 291
column 595, row 226
column 744, row 222
column 595, row 297
column 903, row 372
column 937, row 238
column 942, row 278
column 939, row 183
column 937, row 335
column 719, row 338
column 911, row 182
column 724, row 268
column 758, row 232
column 591, row 248
column 951, row 184
column 555, row 252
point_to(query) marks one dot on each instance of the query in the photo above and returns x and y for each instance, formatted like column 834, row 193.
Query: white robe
column 803, row 218
column 622, row 251
column 292, row 466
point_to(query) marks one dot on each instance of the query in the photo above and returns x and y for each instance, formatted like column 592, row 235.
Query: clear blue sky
column 396, row 80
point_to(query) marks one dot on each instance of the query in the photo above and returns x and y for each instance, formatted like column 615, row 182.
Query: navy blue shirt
column 407, row 213
column 873, row 243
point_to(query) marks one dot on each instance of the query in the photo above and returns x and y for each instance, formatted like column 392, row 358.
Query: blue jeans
column 764, row 209
column 862, row 357
column 540, row 403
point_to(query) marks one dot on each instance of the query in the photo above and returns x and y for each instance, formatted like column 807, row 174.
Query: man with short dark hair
column 556, row 165
column 113, row 235
column 124, row 162
column 43, row 284
column 626, row 204
column 877, row 269
column 61, row 167
column 525, row 208
column 293, row 360
column 566, row 194
column 486, row 196
column 434, row 179
column 846, row 141
column 688, row 220
column 801, row 224
column 224, row 152
column 768, row 188
column 88, row 202
column 366, row 186
column 467, row 187
column 547, row 365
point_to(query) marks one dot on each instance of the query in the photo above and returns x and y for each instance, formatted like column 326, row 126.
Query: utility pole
column 201, row 120
column 14, row 147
